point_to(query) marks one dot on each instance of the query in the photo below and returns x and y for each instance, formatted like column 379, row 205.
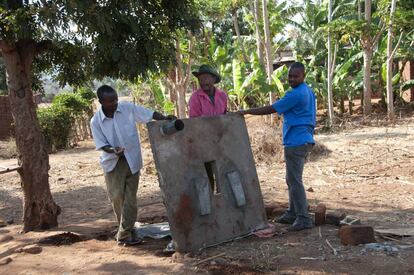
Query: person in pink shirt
column 208, row 100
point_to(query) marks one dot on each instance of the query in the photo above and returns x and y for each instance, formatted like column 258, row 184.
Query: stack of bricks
column 6, row 118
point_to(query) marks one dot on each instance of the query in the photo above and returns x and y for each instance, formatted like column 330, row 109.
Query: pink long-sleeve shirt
column 201, row 105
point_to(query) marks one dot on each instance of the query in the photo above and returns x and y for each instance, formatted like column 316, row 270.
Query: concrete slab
column 209, row 181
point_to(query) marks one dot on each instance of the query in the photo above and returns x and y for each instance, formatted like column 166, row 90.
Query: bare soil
column 364, row 171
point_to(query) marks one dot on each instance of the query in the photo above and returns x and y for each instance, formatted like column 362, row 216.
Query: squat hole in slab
column 211, row 169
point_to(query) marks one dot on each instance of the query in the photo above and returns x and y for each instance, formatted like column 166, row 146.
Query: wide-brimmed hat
column 207, row 69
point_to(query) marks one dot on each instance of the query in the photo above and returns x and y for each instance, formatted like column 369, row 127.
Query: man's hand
column 171, row 117
column 119, row 151
column 159, row 116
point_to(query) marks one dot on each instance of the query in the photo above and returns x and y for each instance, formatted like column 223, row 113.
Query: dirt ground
column 364, row 171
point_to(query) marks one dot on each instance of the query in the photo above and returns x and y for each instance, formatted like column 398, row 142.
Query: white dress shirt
column 120, row 131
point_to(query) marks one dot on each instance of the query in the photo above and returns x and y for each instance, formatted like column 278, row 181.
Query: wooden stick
column 209, row 258
column 395, row 240
column 7, row 170
column 329, row 244
column 320, row 233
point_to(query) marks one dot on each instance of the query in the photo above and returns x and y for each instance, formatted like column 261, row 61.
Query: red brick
column 356, row 234
column 320, row 212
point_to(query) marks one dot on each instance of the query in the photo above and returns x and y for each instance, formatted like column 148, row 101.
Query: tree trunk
column 181, row 102
column 367, row 45
column 268, row 50
column 350, row 105
column 237, row 30
column 367, row 81
column 39, row 209
column 207, row 38
column 342, row 105
column 259, row 40
column 390, row 95
column 330, row 71
column 182, row 77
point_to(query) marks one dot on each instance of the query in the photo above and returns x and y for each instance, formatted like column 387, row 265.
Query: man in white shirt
column 115, row 134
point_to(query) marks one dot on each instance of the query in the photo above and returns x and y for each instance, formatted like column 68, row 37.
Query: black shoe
column 286, row 218
column 299, row 225
column 129, row 241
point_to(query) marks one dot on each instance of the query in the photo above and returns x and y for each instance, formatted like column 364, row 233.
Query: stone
column 5, row 238
column 356, row 234
column 189, row 255
column 320, row 213
column 10, row 221
column 350, row 220
column 32, row 249
column 334, row 218
column 2, row 223
column 310, row 189
column 178, row 257
column 5, row 261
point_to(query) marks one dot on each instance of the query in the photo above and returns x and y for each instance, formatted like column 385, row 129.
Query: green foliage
column 84, row 39
column 152, row 93
column 87, row 94
column 57, row 120
column 55, row 123
column 73, row 102
column 160, row 98
column 407, row 85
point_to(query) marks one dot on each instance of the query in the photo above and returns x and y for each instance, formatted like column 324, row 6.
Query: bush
column 87, row 94
column 73, row 102
column 55, row 123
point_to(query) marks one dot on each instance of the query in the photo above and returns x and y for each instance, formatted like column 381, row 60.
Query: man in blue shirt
column 299, row 119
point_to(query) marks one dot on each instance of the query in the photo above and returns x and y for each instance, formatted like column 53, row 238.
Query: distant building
column 408, row 74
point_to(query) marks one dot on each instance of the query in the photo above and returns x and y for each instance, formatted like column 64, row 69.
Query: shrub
column 73, row 102
column 55, row 123
column 87, row 94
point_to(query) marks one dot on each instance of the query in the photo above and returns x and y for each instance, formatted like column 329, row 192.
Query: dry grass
column 8, row 149
column 265, row 139
column 267, row 144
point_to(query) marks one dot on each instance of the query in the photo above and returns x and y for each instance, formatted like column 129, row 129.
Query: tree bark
column 259, row 40
column 330, row 70
column 39, row 209
column 342, row 105
column 268, row 50
column 350, row 105
column 367, row 81
column 181, row 78
column 181, row 104
column 367, row 44
column 237, row 30
column 390, row 95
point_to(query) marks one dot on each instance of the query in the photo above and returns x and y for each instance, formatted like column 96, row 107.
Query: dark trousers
column 295, row 161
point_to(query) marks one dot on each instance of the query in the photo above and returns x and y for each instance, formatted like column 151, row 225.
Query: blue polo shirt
column 299, row 115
